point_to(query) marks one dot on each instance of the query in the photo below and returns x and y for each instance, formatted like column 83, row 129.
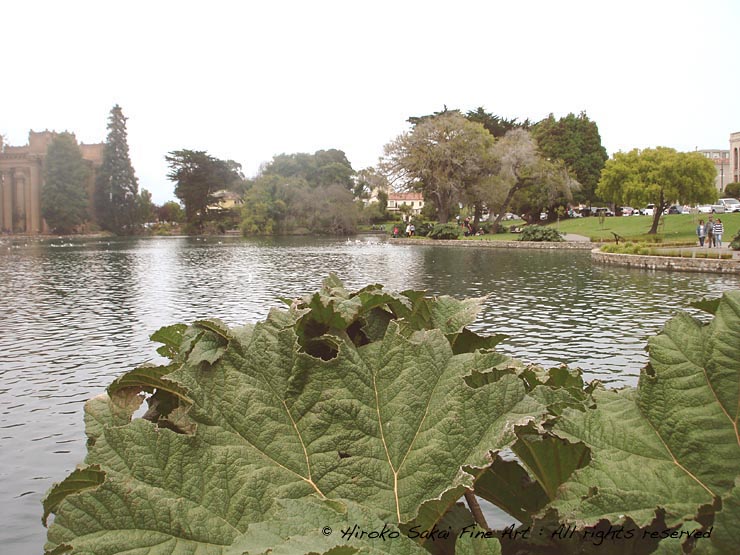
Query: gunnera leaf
column 387, row 425
column 674, row 442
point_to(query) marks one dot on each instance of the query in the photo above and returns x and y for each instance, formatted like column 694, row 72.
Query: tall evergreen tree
column 63, row 196
column 116, row 186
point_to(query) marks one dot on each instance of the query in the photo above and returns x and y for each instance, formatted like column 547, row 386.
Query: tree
column 63, row 196
column 145, row 209
column 521, row 172
column 496, row 125
column 660, row 176
column 576, row 141
column 198, row 175
column 321, row 169
column 732, row 190
column 116, row 186
column 171, row 211
column 444, row 157
column 368, row 180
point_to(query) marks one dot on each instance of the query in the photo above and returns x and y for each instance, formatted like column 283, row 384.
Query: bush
column 445, row 231
column 732, row 190
column 735, row 244
column 540, row 233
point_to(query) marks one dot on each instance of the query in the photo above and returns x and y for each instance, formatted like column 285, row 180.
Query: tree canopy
column 523, row 176
column 576, row 141
column 64, row 196
column 444, row 157
column 660, row 176
column 323, row 168
column 496, row 125
column 198, row 175
column 116, row 186
column 299, row 193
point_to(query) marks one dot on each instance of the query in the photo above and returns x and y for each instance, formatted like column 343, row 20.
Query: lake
column 76, row 313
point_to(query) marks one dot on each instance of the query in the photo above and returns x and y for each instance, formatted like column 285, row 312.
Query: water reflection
column 75, row 314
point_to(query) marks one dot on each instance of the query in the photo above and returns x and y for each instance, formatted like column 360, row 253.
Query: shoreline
column 572, row 245
column 639, row 261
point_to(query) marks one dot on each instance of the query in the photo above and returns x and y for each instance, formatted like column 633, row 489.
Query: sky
column 249, row 80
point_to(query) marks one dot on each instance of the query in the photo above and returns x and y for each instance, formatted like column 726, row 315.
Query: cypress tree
column 63, row 196
column 116, row 186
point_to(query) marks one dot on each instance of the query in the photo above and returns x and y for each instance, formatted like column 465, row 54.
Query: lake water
column 73, row 315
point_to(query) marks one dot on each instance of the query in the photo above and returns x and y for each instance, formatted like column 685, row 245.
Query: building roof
column 405, row 196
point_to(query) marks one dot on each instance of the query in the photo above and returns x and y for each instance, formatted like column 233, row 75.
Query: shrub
column 735, row 244
column 540, row 233
column 445, row 231
column 732, row 190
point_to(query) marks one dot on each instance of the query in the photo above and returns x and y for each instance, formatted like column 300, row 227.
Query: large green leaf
column 673, row 443
column 387, row 424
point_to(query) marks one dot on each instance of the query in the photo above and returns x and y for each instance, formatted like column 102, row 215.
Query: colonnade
column 20, row 198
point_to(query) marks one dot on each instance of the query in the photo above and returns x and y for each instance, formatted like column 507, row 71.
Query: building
column 721, row 159
column 225, row 200
column 21, row 181
column 414, row 200
column 735, row 157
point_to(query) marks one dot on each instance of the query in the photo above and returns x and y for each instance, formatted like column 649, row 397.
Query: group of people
column 410, row 230
column 710, row 233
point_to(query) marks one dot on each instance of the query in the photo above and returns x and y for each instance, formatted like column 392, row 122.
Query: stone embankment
column 576, row 245
column 647, row 262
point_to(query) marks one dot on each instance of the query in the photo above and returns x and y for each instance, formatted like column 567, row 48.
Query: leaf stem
column 474, row 507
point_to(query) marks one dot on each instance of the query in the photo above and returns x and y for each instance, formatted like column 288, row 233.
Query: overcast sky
column 248, row 80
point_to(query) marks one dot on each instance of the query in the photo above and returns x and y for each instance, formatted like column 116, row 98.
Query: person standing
column 710, row 232
column 701, row 231
column 718, row 230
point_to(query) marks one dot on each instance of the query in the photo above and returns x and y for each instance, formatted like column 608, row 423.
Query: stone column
column 20, row 198
column 35, row 194
column 8, row 201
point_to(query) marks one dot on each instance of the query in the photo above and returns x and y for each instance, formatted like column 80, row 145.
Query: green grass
column 675, row 228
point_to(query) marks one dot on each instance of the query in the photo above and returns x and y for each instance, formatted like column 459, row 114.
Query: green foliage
column 64, row 197
column 296, row 193
column 118, row 206
column 659, row 176
column 382, row 409
column 524, row 181
column 495, row 125
column 198, row 175
column 444, row 156
column 735, row 244
column 171, row 211
column 321, row 169
column 445, row 231
column 540, row 233
column 732, row 190
column 146, row 211
column 627, row 248
column 576, row 141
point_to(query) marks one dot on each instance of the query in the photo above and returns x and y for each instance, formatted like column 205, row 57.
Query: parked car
column 628, row 211
column 649, row 210
column 597, row 210
column 675, row 209
column 730, row 204
column 710, row 209
column 574, row 214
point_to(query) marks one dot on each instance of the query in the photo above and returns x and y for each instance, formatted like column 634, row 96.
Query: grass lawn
column 674, row 228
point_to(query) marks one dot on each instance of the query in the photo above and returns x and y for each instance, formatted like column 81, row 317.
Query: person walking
column 701, row 231
column 710, row 232
column 718, row 230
